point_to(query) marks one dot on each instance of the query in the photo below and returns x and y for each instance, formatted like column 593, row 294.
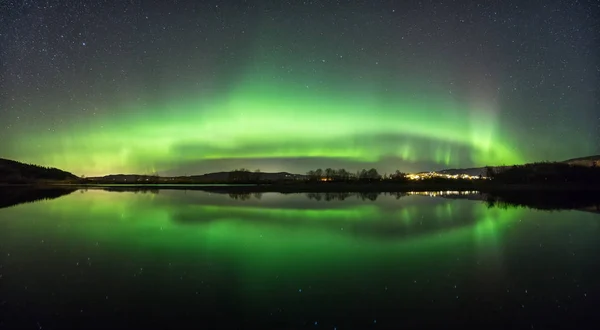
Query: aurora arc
column 277, row 121
column 296, row 87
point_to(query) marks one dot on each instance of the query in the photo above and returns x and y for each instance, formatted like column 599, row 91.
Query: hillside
column 262, row 176
column 15, row 172
column 216, row 177
column 475, row 171
column 584, row 161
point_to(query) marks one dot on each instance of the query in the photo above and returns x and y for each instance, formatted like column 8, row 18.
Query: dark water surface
column 173, row 259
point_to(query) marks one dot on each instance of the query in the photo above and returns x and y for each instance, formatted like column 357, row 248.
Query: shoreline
column 323, row 187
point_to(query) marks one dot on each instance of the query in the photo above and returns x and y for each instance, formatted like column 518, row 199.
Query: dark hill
column 475, row 171
column 216, row 177
column 468, row 171
column 581, row 161
column 15, row 172
column 262, row 176
column 133, row 178
column 584, row 161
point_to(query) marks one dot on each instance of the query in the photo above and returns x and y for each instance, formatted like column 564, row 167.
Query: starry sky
column 186, row 87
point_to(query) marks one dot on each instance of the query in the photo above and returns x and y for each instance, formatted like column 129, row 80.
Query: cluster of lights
column 443, row 193
column 429, row 175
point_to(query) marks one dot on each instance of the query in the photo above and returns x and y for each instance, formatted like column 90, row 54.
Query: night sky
column 186, row 87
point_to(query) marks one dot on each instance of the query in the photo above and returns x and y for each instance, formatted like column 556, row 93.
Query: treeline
column 244, row 175
column 16, row 172
column 328, row 174
column 342, row 175
column 545, row 173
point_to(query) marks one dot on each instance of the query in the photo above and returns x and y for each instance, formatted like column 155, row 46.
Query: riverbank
column 301, row 187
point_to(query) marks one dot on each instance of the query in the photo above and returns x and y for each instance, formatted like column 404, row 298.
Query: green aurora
column 278, row 121
column 287, row 88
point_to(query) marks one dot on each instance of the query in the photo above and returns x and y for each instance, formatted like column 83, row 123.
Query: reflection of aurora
column 263, row 235
column 388, row 216
column 261, row 252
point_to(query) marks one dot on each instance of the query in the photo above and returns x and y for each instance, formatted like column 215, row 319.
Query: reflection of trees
column 329, row 196
column 245, row 196
column 372, row 196
column 398, row 195
column 241, row 196
column 336, row 196
column 545, row 200
column 315, row 196
column 340, row 196
column 19, row 195
column 135, row 190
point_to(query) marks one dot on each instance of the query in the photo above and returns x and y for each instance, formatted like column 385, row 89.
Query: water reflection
column 141, row 190
column 542, row 200
column 11, row 196
column 549, row 200
column 245, row 196
column 98, row 259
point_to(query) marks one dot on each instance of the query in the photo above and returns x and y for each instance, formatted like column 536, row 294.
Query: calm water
column 105, row 260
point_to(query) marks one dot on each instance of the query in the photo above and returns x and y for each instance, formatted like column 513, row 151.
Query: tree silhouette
column 343, row 175
column 329, row 172
column 548, row 173
column 373, row 175
column 319, row 173
column 363, row 174
column 489, row 172
column 399, row 176
column 240, row 175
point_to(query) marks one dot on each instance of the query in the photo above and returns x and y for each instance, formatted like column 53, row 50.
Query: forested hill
column 15, row 172
column 585, row 161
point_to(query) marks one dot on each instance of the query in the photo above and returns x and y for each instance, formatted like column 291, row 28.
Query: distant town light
column 430, row 175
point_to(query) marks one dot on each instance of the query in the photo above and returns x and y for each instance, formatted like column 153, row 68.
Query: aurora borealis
column 189, row 87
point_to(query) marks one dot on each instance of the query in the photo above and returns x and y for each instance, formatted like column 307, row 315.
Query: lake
column 97, row 259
